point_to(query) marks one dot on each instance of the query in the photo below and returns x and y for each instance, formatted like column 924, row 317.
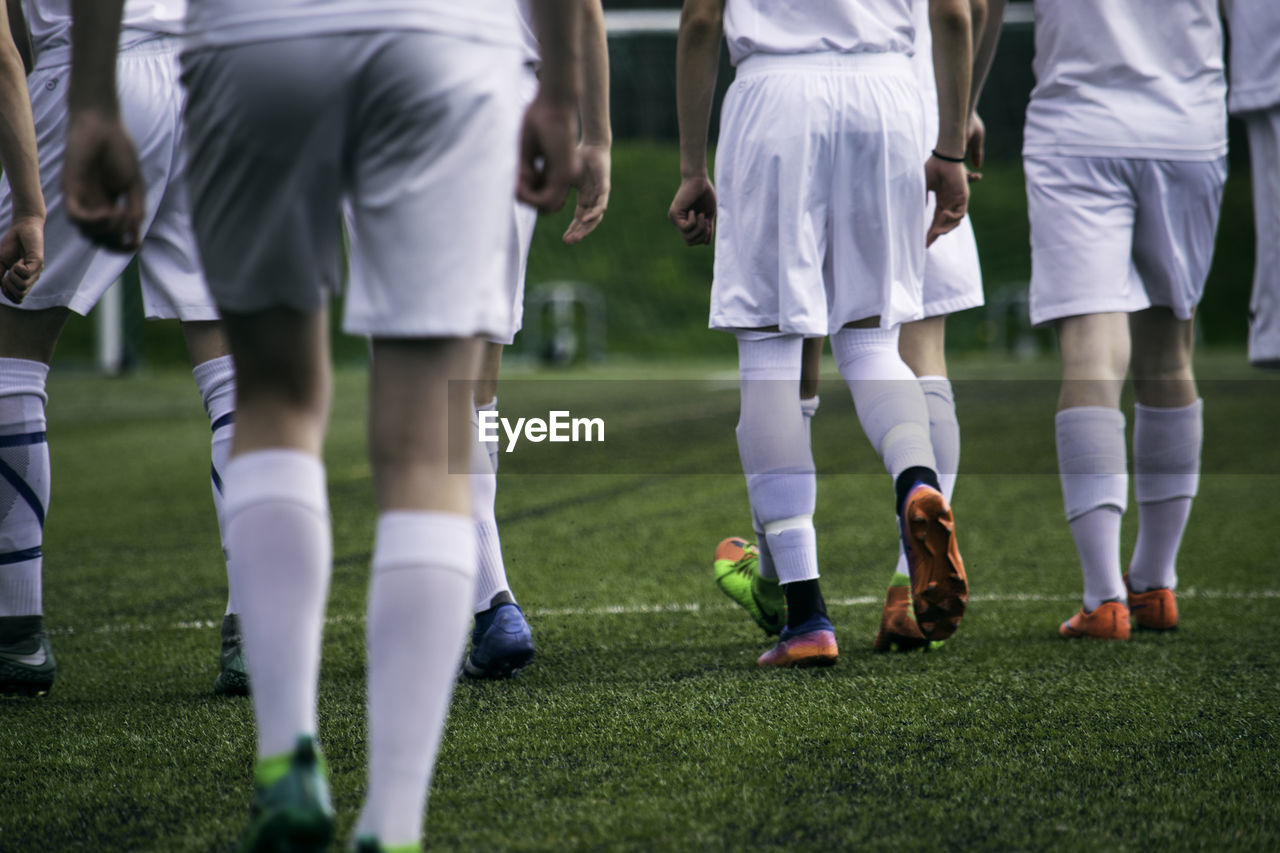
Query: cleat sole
column 940, row 595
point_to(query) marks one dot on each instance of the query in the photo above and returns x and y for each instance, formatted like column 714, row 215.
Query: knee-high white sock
column 1166, row 477
column 424, row 567
column 491, row 579
column 24, row 485
column 279, row 540
column 808, row 408
column 773, row 444
column 1095, row 485
column 944, row 435
column 888, row 398
column 216, row 381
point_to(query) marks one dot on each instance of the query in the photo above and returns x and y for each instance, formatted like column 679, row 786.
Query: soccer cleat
column 939, row 588
column 898, row 628
column 233, row 677
column 812, row 644
column 291, row 809
column 27, row 667
column 501, row 644
column 1153, row 610
column 1108, row 621
column 737, row 564
column 370, row 844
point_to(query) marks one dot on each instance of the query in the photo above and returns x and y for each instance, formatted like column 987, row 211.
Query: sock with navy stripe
column 24, row 485
column 216, row 381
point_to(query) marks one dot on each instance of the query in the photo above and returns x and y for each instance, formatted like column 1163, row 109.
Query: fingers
column 114, row 227
column 945, row 219
column 585, row 220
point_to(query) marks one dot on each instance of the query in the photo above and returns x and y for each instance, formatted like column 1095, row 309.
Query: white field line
column 640, row 609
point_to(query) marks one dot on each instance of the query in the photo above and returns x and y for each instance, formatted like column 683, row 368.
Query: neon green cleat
column 291, row 809
column 370, row 844
column 738, row 576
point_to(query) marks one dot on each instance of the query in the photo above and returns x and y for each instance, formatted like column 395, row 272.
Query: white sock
column 1095, row 485
column 944, row 435
column 1166, row 477
column 423, row 572
column 216, row 381
column 492, row 571
column 279, row 539
column 24, row 485
column 888, row 398
column 773, row 444
column 808, row 408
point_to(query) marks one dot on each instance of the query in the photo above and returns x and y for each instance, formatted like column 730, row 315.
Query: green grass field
column 644, row 724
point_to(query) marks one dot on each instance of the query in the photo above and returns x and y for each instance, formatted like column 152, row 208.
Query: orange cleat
column 812, row 644
column 1108, row 621
column 939, row 588
column 898, row 628
column 1153, row 610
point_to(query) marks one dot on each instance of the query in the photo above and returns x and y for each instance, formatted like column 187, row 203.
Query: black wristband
column 946, row 158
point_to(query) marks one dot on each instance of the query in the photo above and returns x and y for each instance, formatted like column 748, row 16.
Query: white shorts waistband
column 761, row 63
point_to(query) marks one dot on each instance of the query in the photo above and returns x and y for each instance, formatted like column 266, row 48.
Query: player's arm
column 597, row 137
column 101, row 179
column 548, row 140
column 22, row 245
column 952, row 27
column 986, row 35
column 693, row 210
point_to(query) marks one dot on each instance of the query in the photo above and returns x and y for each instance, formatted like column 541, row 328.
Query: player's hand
column 693, row 210
column 21, row 256
column 975, row 144
column 548, row 154
column 593, row 191
column 950, row 187
column 102, row 182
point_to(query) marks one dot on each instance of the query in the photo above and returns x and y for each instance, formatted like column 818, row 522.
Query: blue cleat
column 501, row 643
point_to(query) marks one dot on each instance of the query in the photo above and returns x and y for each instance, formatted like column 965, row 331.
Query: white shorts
column 1120, row 235
column 523, row 220
column 1264, row 306
column 821, row 192
column 76, row 272
column 416, row 132
column 952, row 275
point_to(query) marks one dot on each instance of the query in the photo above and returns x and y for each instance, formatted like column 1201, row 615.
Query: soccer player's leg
column 891, row 408
column 745, row 572
column 1092, row 465
column 501, row 639
column 782, row 485
column 1168, row 432
column 279, row 542
column 921, row 346
column 1263, row 127
column 27, row 665
column 215, row 379
column 420, row 435
column 425, row 161
column 1173, row 247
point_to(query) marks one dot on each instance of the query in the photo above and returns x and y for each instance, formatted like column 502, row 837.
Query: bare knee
column 1095, row 359
column 1162, row 359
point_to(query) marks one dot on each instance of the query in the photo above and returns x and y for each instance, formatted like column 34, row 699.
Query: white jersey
column 1255, row 54
column 213, row 23
column 817, row 26
column 528, row 40
column 1128, row 78
column 50, row 23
